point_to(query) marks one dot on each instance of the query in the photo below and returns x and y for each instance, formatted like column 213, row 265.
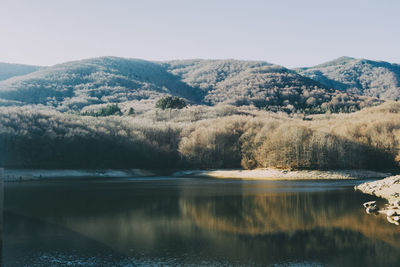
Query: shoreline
column 275, row 174
column 17, row 175
column 388, row 188
column 268, row 174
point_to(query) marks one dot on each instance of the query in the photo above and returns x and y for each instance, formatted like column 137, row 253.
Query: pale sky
column 290, row 33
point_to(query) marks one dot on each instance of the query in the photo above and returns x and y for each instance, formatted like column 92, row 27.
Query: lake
column 166, row 221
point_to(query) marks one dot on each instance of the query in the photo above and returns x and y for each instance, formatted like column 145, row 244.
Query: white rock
column 392, row 220
column 392, row 212
column 395, row 203
column 369, row 203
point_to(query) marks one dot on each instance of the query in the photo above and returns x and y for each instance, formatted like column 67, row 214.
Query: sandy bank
column 388, row 188
column 11, row 175
column 257, row 174
column 273, row 174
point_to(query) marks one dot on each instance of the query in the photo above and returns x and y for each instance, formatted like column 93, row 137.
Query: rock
column 392, row 212
column 391, row 220
column 372, row 209
column 369, row 203
column 394, row 203
column 396, row 181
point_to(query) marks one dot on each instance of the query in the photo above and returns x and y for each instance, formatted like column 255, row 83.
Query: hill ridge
column 362, row 76
column 75, row 85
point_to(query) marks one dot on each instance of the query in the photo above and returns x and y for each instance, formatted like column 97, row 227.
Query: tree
column 109, row 110
column 171, row 102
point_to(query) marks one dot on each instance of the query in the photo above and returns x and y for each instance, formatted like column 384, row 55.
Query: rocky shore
column 388, row 188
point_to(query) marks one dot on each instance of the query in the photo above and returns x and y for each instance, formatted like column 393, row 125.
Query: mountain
column 80, row 84
column 361, row 76
column 8, row 70
column 74, row 85
column 235, row 81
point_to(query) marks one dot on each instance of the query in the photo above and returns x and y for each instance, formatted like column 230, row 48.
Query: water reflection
column 194, row 221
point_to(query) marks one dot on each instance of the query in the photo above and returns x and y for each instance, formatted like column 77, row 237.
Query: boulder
column 371, row 209
column 369, row 203
column 391, row 212
column 391, row 220
column 394, row 203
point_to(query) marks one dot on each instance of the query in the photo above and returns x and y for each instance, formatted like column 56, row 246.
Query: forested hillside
column 74, row 85
column 79, row 85
column 361, row 76
column 201, row 137
column 261, row 84
column 8, row 70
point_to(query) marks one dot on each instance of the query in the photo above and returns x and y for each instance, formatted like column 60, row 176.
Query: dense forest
column 360, row 76
column 82, row 85
column 114, row 112
column 223, row 136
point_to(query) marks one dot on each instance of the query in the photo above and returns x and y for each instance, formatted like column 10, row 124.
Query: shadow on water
column 38, row 242
column 194, row 221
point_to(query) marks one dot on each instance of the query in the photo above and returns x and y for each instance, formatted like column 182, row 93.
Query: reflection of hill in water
column 286, row 213
column 206, row 223
column 267, row 229
column 307, row 226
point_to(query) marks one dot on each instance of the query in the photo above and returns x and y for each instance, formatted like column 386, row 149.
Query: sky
column 291, row 33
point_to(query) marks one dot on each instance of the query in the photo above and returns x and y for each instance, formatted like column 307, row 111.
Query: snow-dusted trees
column 50, row 139
column 78, row 85
column 213, row 137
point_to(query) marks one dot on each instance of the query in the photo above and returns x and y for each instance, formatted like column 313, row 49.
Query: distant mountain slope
column 8, row 70
column 80, row 84
column 361, row 76
column 257, row 82
column 77, row 84
column 260, row 83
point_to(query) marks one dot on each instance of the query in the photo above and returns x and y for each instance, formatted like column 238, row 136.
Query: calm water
column 186, row 221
